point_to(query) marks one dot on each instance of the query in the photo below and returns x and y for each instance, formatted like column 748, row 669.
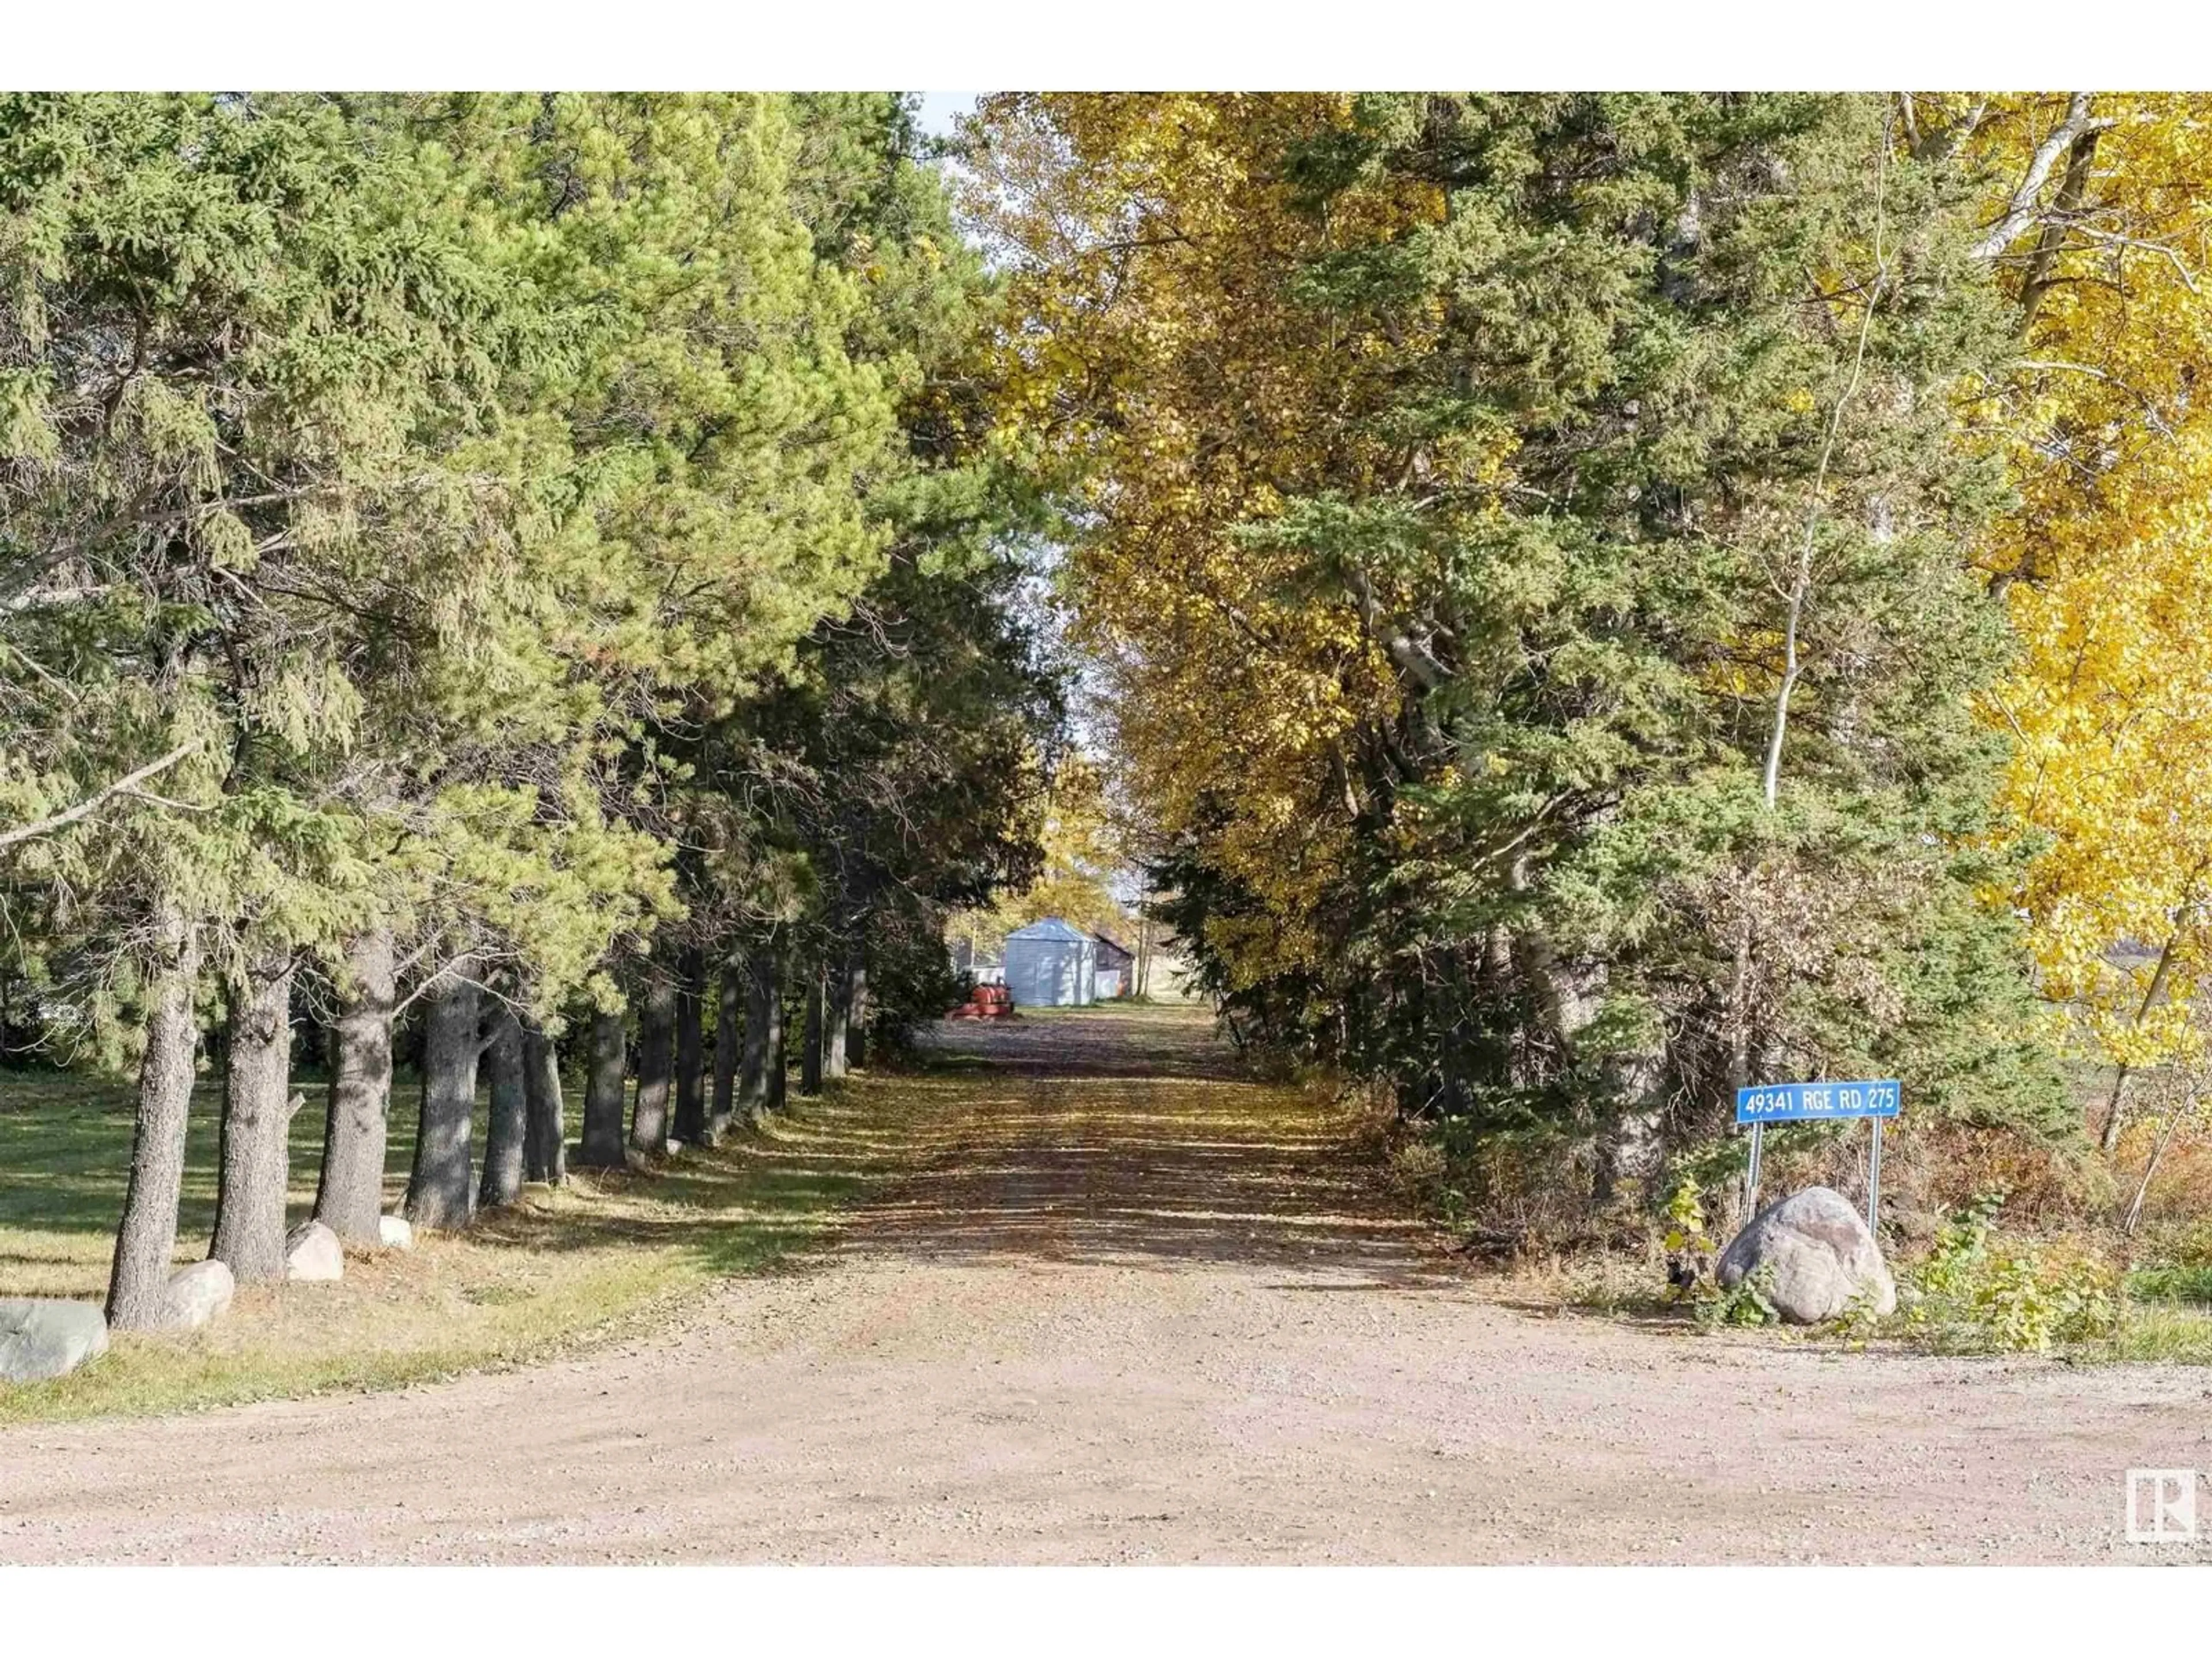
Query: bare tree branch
column 2056, row 366
column 2180, row 266
column 92, row 803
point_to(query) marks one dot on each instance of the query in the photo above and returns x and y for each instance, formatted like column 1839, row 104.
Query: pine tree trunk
column 752, row 1070
column 1628, row 1150
column 856, row 1011
column 656, row 1065
column 691, row 1052
column 148, row 1237
column 774, row 1073
column 836, row 1017
column 349, row 1198
column 439, row 1192
column 602, row 1145
column 545, row 1141
column 727, row 1048
column 257, row 1120
column 810, row 1038
column 508, row 1124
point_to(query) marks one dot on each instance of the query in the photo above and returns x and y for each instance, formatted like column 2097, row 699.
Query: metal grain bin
column 1050, row 965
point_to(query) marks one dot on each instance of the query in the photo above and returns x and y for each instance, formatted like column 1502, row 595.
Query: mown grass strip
column 607, row 1254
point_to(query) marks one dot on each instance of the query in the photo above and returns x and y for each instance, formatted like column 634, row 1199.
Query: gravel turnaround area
column 1108, row 1302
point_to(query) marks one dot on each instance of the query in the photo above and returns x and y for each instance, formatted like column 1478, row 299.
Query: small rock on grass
column 394, row 1232
column 195, row 1295
column 312, row 1253
column 41, row 1337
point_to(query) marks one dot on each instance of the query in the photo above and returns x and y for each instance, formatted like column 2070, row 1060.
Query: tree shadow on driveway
column 1134, row 1139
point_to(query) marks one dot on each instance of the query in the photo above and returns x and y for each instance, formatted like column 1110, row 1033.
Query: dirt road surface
column 1111, row 1304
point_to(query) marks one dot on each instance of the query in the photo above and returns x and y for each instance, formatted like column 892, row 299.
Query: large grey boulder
column 41, row 1337
column 195, row 1295
column 313, row 1253
column 1820, row 1255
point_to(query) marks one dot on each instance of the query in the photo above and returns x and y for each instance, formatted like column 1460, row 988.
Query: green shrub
column 1980, row 1290
column 1749, row 1301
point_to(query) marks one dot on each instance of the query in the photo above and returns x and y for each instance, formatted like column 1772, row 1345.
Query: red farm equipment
column 986, row 1002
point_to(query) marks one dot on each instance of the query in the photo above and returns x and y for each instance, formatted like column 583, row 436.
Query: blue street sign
column 1789, row 1103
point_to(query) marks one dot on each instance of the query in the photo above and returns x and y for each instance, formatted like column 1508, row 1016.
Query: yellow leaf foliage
column 1162, row 356
column 2108, row 567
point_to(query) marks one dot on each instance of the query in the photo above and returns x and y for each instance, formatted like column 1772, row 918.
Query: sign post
column 1800, row 1103
column 1873, row 1173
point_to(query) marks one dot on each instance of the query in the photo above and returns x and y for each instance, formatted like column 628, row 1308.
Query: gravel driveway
column 1118, row 1305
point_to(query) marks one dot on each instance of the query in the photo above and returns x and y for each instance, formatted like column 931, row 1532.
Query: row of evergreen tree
column 489, row 567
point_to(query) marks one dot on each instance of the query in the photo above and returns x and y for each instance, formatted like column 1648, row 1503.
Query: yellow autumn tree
column 2101, row 230
column 1164, row 361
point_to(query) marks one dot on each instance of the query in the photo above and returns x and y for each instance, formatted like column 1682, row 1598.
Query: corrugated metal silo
column 1050, row 965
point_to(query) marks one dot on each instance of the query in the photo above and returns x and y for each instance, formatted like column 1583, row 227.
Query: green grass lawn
column 1171, row 1010
column 603, row 1254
